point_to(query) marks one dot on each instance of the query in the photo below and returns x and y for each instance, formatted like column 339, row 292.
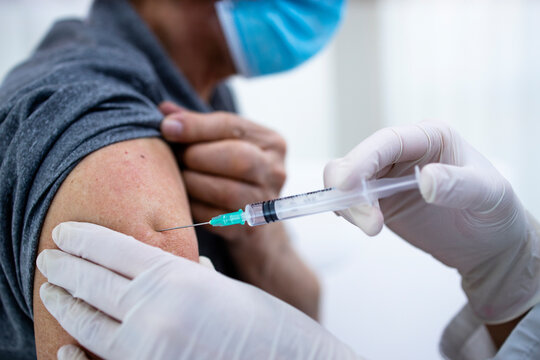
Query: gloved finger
column 111, row 249
column 460, row 187
column 81, row 278
column 382, row 149
column 90, row 327
column 367, row 217
column 206, row 262
column 71, row 352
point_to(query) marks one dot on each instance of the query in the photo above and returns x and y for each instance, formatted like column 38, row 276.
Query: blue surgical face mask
column 270, row 36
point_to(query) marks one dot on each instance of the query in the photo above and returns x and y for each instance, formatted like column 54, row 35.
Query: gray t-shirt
column 89, row 84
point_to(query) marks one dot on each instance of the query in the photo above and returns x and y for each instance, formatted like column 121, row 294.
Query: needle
column 183, row 227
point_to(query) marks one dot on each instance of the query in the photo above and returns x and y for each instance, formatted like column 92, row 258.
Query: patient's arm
column 133, row 187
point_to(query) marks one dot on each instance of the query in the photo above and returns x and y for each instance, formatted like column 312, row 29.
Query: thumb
column 367, row 217
column 190, row 127
column 168, row 108
column 172, row 127
column 461, row 187
column 71, row 352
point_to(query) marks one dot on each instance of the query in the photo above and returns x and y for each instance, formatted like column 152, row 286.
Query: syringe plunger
column 317, row 202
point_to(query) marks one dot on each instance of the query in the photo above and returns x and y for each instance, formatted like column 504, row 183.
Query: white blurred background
column 472, row 63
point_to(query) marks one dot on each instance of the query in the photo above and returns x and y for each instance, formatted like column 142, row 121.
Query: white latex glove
column 149, row 304
column 467, row 215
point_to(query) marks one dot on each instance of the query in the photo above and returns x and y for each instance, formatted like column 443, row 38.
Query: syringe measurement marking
column 305, row 195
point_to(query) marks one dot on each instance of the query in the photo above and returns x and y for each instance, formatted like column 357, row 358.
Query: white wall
column 474, row 64
column 24, row 22
column 299, row 104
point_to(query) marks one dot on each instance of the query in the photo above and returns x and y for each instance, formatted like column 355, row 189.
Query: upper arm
column 133, row 187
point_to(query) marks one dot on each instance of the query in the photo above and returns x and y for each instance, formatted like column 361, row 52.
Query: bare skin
column 133, row 187
column 190, row 27
column 230, row 162
column 499, row 333
column 263, row 256
column 174, row 21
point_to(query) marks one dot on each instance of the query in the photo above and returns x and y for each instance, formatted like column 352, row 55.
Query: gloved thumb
column 206, row 262
column 366, row 216
column 460, row 187
column 71, row 352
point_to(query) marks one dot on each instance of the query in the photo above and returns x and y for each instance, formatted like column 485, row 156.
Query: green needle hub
column 234, row 218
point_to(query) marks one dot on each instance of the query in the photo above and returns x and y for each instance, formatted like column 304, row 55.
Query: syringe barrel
column 302, row 205
column 254, row 214
column 327, row 200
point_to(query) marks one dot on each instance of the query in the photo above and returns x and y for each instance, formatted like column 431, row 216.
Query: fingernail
column 172, row 126
column 41, row 263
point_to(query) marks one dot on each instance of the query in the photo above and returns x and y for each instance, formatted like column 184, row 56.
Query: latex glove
column 71, row 352
column 149, row 304
column 466, row 214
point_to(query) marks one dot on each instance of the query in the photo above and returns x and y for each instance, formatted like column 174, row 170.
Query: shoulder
column 77, row 55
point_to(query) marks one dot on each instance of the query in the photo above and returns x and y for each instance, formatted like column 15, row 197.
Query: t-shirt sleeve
column 51, row 131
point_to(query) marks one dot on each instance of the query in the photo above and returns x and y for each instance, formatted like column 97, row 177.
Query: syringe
column 315, row 202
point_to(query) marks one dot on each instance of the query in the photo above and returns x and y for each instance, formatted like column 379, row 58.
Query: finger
column 82, row 279
column 206, row 262
column 401, row 145
column 71, row 352
column 168, row 108
column 90, row 327
column 221, row 192
column 198, row 127
column 235, row 159
column 113, row 250
column 367, row 217
column 462, row 188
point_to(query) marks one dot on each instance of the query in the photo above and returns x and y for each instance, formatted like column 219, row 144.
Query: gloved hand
column 149, row 304
column 466, row 214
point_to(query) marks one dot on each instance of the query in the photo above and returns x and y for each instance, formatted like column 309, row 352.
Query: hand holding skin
column 229, row 162
column 466, row 214
column 123, row 299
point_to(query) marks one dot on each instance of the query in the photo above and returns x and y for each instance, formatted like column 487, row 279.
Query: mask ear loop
column 224, row 11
